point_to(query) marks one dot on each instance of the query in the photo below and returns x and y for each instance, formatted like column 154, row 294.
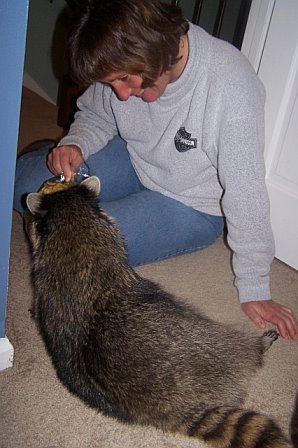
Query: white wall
column 48, row 25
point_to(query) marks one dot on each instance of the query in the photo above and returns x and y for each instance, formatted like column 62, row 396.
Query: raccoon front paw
column 268, row 338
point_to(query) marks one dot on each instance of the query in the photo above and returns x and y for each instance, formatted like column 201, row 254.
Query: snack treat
column 53, row 185
column 58, row 183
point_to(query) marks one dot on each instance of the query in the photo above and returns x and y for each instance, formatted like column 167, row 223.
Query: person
column 172, row 122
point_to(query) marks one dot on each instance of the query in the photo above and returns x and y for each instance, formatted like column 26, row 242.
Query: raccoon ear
column 33, row 202
column 92, row 183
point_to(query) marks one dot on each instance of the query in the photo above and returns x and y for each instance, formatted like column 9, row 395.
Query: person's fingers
column 283, row 318
column 287, row 310
column 282, row 328
column 54, row 162
column 66, row 160
column 290, row 323
column 272, row 312
column 67, row 164
column 251, row 312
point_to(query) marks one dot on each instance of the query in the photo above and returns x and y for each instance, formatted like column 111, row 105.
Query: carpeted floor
column 36, row 411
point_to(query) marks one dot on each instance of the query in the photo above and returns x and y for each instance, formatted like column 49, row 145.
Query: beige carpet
column 37, row 411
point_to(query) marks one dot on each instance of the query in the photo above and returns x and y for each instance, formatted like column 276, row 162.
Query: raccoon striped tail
column 227, row 427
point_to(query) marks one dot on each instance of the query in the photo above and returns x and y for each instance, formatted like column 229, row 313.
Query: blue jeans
column 154, row 226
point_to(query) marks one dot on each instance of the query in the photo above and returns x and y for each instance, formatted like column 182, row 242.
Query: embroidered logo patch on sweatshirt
column 183, row 140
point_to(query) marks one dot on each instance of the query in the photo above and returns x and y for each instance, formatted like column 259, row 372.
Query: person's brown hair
column 131, row 36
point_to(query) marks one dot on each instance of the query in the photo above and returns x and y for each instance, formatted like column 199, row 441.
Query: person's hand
column 65, row 159
column 264, row 311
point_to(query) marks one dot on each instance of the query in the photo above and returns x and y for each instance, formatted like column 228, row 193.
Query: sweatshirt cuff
column 253, row 293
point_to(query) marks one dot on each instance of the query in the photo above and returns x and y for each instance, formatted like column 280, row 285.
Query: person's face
column 126, row 85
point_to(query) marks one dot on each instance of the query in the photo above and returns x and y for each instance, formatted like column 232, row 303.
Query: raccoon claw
column 268, row 338
column 32, row 313
column 272, row 334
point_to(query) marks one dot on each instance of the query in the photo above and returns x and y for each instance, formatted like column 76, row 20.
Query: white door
column 271, row 44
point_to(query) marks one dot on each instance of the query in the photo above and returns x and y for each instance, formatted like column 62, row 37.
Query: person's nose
column 123, row 92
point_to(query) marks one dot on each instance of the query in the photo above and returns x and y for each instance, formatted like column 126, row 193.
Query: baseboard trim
column 6, row 354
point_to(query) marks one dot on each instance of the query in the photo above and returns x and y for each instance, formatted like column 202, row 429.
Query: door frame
column 256, row 31
column 13, row 24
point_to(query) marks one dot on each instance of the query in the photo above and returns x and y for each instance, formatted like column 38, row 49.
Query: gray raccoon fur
column 124, row 345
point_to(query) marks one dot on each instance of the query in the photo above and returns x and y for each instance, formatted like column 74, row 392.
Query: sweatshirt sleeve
column 94, row 124
column 245, row 204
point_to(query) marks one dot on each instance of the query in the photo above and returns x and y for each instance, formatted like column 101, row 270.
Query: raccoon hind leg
column 268, row 338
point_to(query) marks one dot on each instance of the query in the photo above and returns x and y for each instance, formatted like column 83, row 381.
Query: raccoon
column 127, row 347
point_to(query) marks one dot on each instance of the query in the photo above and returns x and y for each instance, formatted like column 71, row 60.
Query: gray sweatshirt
column 200, row 143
